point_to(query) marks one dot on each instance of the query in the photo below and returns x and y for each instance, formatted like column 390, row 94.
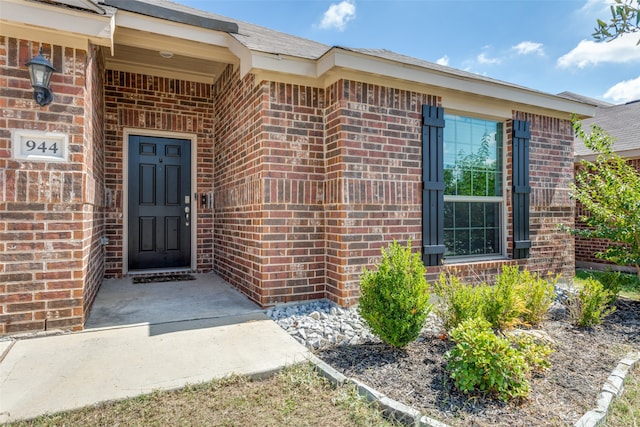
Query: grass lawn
column 297, row 396
column 630, row 287
column 625, row 410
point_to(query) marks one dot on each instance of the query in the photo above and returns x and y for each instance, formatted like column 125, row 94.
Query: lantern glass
column 40, row 75
column 40, row 71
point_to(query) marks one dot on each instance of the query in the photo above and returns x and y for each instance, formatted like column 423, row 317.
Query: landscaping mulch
column 582, row 361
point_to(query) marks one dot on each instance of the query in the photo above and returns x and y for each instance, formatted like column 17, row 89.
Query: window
column 473, row 181
column 463, row 199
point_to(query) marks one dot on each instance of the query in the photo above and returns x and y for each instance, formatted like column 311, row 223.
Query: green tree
column 609, row 190
column 625, row 18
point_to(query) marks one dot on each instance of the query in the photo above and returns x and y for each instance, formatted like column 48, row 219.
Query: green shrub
column 535, row 354
column 482, row 361
column 516, row 297
column 457, row 301
column 590, row 305
column 394, row 300
column 538, row 294
column 503, row 305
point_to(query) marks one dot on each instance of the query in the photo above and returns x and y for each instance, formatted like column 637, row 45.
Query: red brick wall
column 94, row 191
column 269, row 177
column 587, row 248
column 46, row 208
column 237, row 182
column 308, row 184
column 551, row 172
column 373, row 186
column 373, row 154
column 297, row 221
column 143, row 102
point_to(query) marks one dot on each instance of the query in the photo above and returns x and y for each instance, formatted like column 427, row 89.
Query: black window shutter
column 521, row 189
column 432, row 185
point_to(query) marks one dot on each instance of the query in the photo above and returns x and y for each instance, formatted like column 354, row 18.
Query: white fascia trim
column 282, row 63
column 96, row 28
column 243, row 53
column 174, row 29
column 337, row 58
column 634, row 153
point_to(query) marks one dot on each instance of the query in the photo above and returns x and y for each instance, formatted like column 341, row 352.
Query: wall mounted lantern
column 40, row 70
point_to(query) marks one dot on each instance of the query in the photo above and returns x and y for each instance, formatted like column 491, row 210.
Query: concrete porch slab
column 121, row 303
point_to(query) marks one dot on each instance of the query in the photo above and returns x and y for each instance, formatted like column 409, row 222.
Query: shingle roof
column 585, row 99
column 622, row 122
column 397, row 57
column 266, row 40
column 252, row 36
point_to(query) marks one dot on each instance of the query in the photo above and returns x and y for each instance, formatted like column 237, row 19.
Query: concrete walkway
column 61, row 372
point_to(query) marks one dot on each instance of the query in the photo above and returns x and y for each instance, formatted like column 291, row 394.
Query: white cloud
column 625, row 91
column 597, row 6
column 526, row 48
column 621, row 50
column 338, row 15
column 484, row 59
column 443, row 61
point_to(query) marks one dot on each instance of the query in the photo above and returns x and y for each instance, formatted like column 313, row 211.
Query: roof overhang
column 136, row 32
column 488, row 97
column 53, row 24
column 199, row 54
column 155, row 11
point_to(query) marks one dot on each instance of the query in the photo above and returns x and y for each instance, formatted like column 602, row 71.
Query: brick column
column 49, row 211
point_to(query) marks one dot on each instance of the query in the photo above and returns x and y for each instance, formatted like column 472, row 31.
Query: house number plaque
column 47, row 146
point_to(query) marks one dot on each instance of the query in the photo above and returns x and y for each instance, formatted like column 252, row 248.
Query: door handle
column 186, row 215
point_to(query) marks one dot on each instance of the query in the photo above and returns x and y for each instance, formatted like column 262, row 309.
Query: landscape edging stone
column 612, row 388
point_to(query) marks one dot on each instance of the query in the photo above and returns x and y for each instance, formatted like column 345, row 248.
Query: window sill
column 472, row 260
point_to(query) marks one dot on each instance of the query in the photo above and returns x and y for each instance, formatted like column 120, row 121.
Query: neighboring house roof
column 622, row 122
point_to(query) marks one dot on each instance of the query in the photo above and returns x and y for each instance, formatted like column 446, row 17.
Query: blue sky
column 541, row 44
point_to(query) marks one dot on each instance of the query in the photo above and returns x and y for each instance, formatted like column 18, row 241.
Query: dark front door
column 159, row 202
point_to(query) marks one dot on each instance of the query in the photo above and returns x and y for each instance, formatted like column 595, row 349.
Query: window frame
column 502, row 200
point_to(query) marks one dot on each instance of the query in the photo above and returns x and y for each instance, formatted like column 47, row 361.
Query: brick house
column 621, row 122
column 178, row 140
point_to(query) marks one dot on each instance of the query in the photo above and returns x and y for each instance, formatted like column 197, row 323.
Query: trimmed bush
column 457, row 301
column 517, row 297
column 538, row 294
column 394, row 300
column 482, row 361
column 590, row 305
column 503, row 306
